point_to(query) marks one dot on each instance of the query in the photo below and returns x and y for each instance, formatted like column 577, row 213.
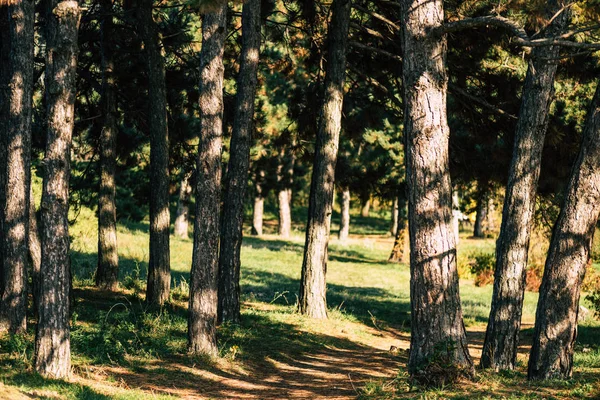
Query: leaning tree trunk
column 312, row 299
column 502, row 335
column 259, row 203
column 436, row 315
column 480, row 215
column 344, row 214
column 18, row 163
column 397, row 255
column 202, row 317
column 52, row 342
column 285, row 179
column 159, row 268
column 395, row 215
column 239, row 162
column 183, row 208
column 556, row 317
column 108, row 258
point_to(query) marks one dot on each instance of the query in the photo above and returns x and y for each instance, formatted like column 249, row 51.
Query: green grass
column 116, row 335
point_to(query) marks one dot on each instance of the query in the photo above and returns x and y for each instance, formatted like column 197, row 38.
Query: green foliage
column 482, row 268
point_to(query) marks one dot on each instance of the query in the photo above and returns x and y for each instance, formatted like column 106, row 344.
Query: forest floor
column 124, row 351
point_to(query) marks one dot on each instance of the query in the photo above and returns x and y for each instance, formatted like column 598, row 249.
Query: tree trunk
column 108, row 258
column 397, row 255
column 18, row 163
column 344, row 215
column 159, row 269
column 259, row 203
column 437, row 329
column 285, row 179
column 52, row 342
column 502, row 335
column 202, row 319
column 183, row 208
column 4, row 62
column 239, row 163
column 314, row 266
column 558, row 305
column 365, row 207
column 395, row 214
column 35, row 251
column 489, row 214
column 480, row 215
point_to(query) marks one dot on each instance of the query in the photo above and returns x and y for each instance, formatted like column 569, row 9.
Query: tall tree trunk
column 285, row 179
column 183, row 208
column 437, row 328
column 314, row 266
column 397, row 255
column 18, row 163
column 35, row 251
column 108, row 258
column 480, row 215
column 344, row 214
column 490, row 210
column 365, row 207
column 202, row 318
column 502, row 335
column 52, row 342
column 159, row 268
column 556, row 316
column 395, row 215
column 239, row 163
column 4, row 62
column 259, row 203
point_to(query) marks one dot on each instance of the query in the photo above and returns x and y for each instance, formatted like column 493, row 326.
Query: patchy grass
column 122, row 350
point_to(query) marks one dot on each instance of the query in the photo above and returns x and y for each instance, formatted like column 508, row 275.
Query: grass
column 123, row 351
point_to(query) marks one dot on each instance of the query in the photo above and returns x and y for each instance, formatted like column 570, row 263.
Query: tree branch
column 375, row 15
column 458, row 90
column 375, row 50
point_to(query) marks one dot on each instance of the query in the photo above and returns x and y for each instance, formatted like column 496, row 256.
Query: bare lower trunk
column 502, row 335
column 365, row 207
column 312, row 297
column 398, row 250
column 183, row 208
column 108, row 258
column 52, row 342
column 202, row 318
column 490, row 210
column 18, row 163
column 4, row 62
column 285, row 179
column 35, row 251
column 437, row 329
column 344, row 214
column 159, row 268
column 259, row 203
column 480, row 215
column 239, row 163
column 558, row 305
column 285, row 213
column 395, row 213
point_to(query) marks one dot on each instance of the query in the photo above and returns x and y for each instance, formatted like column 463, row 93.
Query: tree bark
column 395, row 215
column 108, row 258
column 183, row 208
column 556, row 316
column 312, row 299
column 259, row 203
column 365, row 207
column 159, row 268
column 285, row 179
column 52, row 342
column 18, row 163
column 239, row 163
column 480, row 215
column 437, row 328
column 344, row 214
column 397, row 255
column 4, row 62
column 502, row 335
column 35, row 251
column 202, row 318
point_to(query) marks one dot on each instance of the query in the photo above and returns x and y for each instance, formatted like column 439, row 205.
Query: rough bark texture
column 183, row 208
column 558, row 305
column 239, row 162
column 259, row 203
column 437, row 329
column 202, row 318
column 4, row 61
column 52, row 342
column 312, row 300
column 285, row 179
column 395, row 214
column 502, row 335
column 344, row 214
column 108, row 258
column 159, row 267
column 398, row 250
column 18, row 163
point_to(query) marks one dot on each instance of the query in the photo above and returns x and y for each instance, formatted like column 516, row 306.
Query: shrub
column 482, row 268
